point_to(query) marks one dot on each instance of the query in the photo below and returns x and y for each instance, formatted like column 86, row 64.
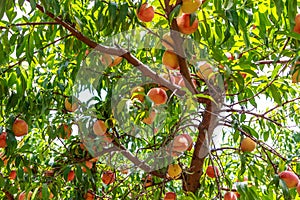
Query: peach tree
column 166, row 99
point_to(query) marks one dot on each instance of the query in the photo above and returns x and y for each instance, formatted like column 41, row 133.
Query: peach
column 230, row 196
column 150, row 119
column 70, row 106
column 174, row 171
column 13, row 175
column 108, row 177
column 49, row 173
column 24, row 196
column 184, row 25
column 170, row 60
column 109, row 60
column 290, row 178
column 89, row 195
column 298, row 188
column 88, row 164
column 145, row 13
column 3, row 140
column 107, row 138
column 247, row 145
column 99, row 127
column 297, row 25
column 20, row 127
column 158, row 96
column 67, row 131
column 168, row 42
column 205, row 71
column 190, row 6
column 138, row 92
column 170, row 196
column 210, row 171
column 296, row 74
column 190, row 141
column 181, row 83
column 180, row 143
column 71, row 175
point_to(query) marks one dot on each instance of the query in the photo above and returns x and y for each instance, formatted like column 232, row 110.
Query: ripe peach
column 247, row 145
column 138, row 92
column 190, row 6
column 23, row 195
column 99, row 127
column 158, row 96
column 297, row 25
column 184, row 24
column 170, row 60
column 150, row 119
column 211, row 172
column 71, row 107
column 205, row 71
column 180, row 143
column 108, row 177
column 170, row 196
column 13, row 175
column 290, row 178
column 230, row 196
column 107, row 138
column 109, row 60
column 89, row 195
column 296, row 74
column 190, row 141
column 67, row 132
column 145, row 13
column 88, row 164
column 71, row 175
column 3, row 140
column 174, row 171
column 49, row 173
column 20, row 127
column 168, row 42
column 50, row 195
column 298, row 188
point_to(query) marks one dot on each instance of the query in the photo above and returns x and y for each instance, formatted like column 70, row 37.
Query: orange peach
column 170, row 60
column 89, row 195
column 3, row 140
column 170, row 196
column 20, row 127
column 145, row 13
column 158, row 96
column 99, row 127
column 290, row 178
column 108, row 177
column 184, row 24
column 88, row 164
column 210, row 171
column 70, row 106
column 150, row 119
column 67, row 131
column 24, row 196
column 230, row 196
column 247, row 145
column 71, row 175
column 138, row 92
column 13, row 175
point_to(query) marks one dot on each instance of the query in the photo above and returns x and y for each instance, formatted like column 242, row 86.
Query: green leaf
column 2, row 8
column 275, row 94
column 174, row 12
column 250, row 130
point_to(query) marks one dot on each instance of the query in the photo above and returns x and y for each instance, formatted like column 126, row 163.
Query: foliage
column 46, row 45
